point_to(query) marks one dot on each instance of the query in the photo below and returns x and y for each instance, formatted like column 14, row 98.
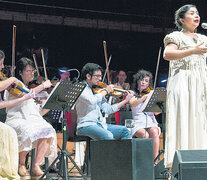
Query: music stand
column 156, row 102
column 63, row 97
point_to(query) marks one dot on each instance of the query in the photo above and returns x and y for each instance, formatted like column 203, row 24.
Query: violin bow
column 158, row 62
column 13, row 51
column 106, row 68
column 36, row 66
column 43, row 62
column 107, row 62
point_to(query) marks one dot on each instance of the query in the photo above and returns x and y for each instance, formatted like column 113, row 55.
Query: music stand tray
column 63, row 97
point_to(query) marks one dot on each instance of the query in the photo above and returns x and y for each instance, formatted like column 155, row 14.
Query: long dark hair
column 180, row 13
column 141, row 74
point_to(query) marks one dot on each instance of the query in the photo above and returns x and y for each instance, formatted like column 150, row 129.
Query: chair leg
column 87, row 163
column 32, row 159
column 46, row 167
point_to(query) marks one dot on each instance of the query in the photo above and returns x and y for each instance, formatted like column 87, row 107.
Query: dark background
column 74, row 45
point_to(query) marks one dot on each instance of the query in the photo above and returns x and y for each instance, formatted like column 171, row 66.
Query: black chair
column 28, row 165
column 72, row 137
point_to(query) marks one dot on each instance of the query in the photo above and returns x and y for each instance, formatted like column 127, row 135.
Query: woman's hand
column 199, row 49
column 15, row 81
column 47, row 84
column 135, row 101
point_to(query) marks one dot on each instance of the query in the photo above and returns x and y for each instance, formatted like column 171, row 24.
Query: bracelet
column 106, row 91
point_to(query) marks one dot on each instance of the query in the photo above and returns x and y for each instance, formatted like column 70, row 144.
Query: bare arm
column 128, row 97
column 6, row 83
column 42, row 86
column 136, row 101
column 9, row 103
column 172, row 52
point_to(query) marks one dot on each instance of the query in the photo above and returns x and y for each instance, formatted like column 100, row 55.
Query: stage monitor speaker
column 130, row 159
column 190, row 165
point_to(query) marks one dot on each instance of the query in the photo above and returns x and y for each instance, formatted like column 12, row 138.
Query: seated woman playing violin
column 90, row 106
column 8, row 141
column 146, row 125
column 32, row 130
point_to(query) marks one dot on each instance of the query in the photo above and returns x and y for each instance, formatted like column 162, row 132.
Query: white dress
column 30, row 126
column 186, row 106
column 143, row 120
column 9, row 155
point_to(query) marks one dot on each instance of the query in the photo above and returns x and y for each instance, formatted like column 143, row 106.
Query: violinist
column 90, row 106
column 8, row 141
column 32, row 130
column 146, row 125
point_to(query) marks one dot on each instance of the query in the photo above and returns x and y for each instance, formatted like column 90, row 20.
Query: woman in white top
column 186, row 105
column 8, row 141
column 32, row 130
column 146, row 125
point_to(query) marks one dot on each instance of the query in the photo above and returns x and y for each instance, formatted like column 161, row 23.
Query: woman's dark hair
column 141, row 74
column 22, row 64
column 89, row 68
column 180, row 13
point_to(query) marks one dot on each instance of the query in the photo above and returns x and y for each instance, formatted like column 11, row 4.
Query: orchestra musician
column 122, row 80
column 146, row 125
column 8, row 141
column 90, row 106
column 26, row 119
column 186, row 105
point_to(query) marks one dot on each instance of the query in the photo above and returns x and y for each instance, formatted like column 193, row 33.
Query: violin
column 144, row 92
column 117, row 90
column 14, row 91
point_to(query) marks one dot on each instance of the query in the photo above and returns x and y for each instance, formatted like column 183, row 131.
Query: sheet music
column 146, row 101
column 50, row 94
column 154, row 99
column 65, row 93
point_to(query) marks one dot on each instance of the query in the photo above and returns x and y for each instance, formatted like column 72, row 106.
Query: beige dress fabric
column 30, row 126
column 8, row 153
column 186, row 106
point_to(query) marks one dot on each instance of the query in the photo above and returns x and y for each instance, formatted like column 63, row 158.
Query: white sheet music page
column 146, row 101
column 50, row 94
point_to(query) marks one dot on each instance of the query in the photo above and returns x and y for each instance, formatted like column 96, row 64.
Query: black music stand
column 63, row 97
column 156, row 102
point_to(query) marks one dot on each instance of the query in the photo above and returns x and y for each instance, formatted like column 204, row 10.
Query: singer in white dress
column 186, row 111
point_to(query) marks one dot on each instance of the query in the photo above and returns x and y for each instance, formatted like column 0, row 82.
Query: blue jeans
column 97, row 132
